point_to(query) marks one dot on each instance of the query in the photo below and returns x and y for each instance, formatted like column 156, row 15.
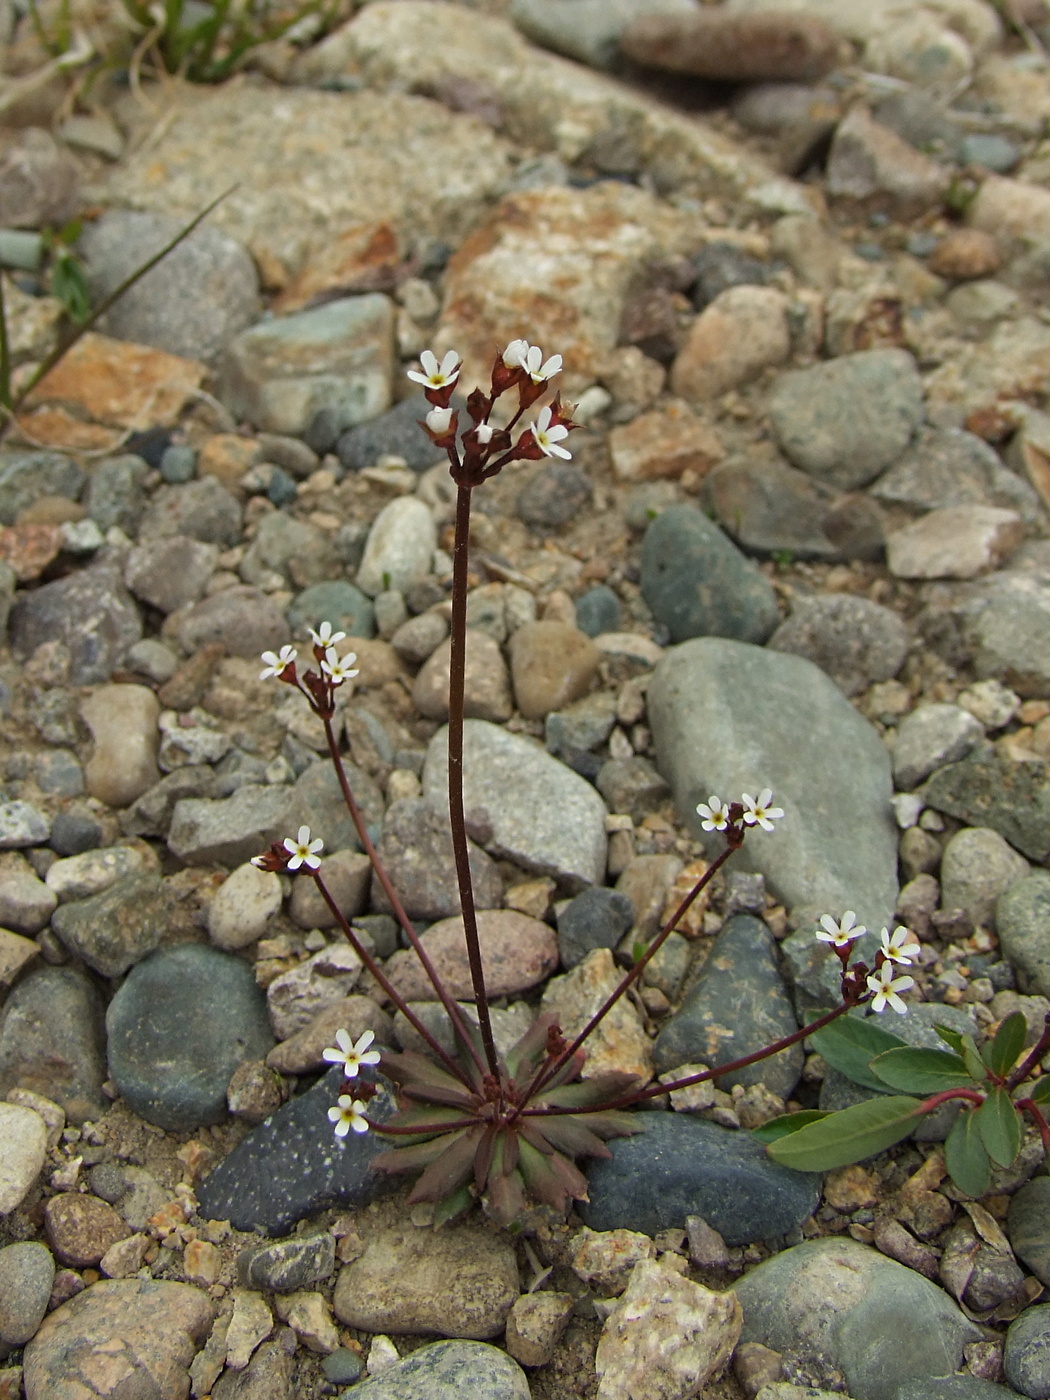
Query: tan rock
column 517, row 952
column 605, row 1258
column 227, row 456
column 486, row 682
column 80, row 1229
column 201, row 1262
column 348, row 877
column 1011, row 209
column 124, row 1258
column 871, row 165
column 308, row 1316
column 743, row 331
column 619, row 1042
column 123, row 723
column 647, row 883
column 551, row 664
column 734, row 48
column 536, row 1324
column 28, row 549
column 665, row 443
column 362, row 258
column 251, row 1323
column 242, row 907
column 15, row 953
column 301, row 1053
column 966, row 253
column 23, row 1134
column 956, row 542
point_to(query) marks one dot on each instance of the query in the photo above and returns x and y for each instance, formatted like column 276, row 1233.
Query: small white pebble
column 382, row 1354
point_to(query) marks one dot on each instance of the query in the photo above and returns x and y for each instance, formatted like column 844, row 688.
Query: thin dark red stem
column 1033, row 1058
column 423, row 1128
column 946, row 1096
column 1030, row 1107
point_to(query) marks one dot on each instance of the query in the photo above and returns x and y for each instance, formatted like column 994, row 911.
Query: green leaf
column 921, row 1071
column 978, row 1069
column 787, row 1123
column 1000, row 1127
column 1001, row 1055
column 950, row 1037
column 965, row 1156
column 849, row 1044
column 848, row 1136
column 1041, row 1092
column 453, row 1205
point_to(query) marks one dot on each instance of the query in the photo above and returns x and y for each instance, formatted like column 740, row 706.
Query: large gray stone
column 232, row 830
column 854, row 640
column 1008, row 631
column 112, row 930
column 449, row 1371
column 51, row 1040
column 1022, row 919
column 930, row 737
column 727, row 717
column 542, row 815
column 949, row 467
column 986, row 789
column 90, row 612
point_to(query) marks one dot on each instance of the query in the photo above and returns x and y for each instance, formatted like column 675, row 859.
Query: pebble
column 737, row 1005
column 203, row 510
column 543, row 816
column 178, row 464
column 930, row 737
column 1027, row 1226
column 1008, row 631
column 393, row 433
column 89, row 611
column 518, row 952
column 92, row 872
column 1013, row 798
column 51, row 1040
column 838, row 1303
column 1026, row 1355
column 347, row 877
column 681, row 1166
column 253, row 1093
column 230, row 831
column 976, row 868
column 619, row 1043
column 728, row 717
column 342, row 1366
column 26, row 903
column 242, row 907
column 580, row 727
column 126, row 1327
column 22, row 824
column 980, row 305
column 848, row 419
column 23, row 1145
column 554, row 495
column 308, row 1316
column 180, row 1024
column 400, row 547
column 452, row 1370
column 80, row 1228
column 596, row 918
column 170, row 573
column 743, row 331
column 605, row 1259
column 767, row 506
column 1022, row 919
column 27, row 477
column 250, row 1324
column 420, row 636
column 123, row 724
column 869, row 164
column 416, row 849
column 40, row 180
column 245, row 621
column 318, row 802
column 486, row 682
column 854, row 640
column 589, row 31
column 535, row 1325
column 666, row 1337
column 59, row 773
column 729, row 47
column 27, row 1272
column 598, row 611
column 960, row 1387
column 551, row 664
column 288, row 546
column 631, row 785
column 965, row 254
column 956, row 542
column 288, row 1265
column 697, row 582
column 295, row 998
column 116, row 493
column 116, row 929
column 338, row 356
column 293, row 1165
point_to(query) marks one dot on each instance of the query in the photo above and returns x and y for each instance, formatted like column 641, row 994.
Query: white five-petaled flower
column 302, row 850
column 548, row 434
column 515, row 354
column 886, row 987
column 349, row 1114
column 714, row 812
column 439, row 420
column 349, row 1055
column 539, row 372
column 277, row 661
column 325, row 637
column 841, row 934
column 760, row 813
column 437, row 376
column 900, row 946
column 339, row 668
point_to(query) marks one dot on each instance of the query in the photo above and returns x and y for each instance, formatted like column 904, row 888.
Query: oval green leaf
column 788, row 1123
column 965, row 1156
column 849, row 1044
column 1000, row 1127
column 917, row 1071
column 1041, row 1092
column 1001, row 1055
column 848, row 1136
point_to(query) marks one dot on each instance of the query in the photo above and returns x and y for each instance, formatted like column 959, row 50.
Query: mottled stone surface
column 987, row 790
column 449, row 1371
column 517, row 952
column 52, row 1041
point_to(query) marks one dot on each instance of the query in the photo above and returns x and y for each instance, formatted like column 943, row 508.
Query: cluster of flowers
column 335, row 668
column 898, row 948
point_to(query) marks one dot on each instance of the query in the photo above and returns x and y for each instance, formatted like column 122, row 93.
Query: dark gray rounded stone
column 853, row 639
column 555, row 495
column 181, row 1023
column 954, row 1388
column 289, row 1264
column 1026, row 1356
column 51, row 1041
column 448, row 1371
column 337, row 602
column 26, row 476
column 1028, row 1226
column 739, row 1004
column 597, row 918
column 397, row 431
column 178, row 464
column 598, row 611
column 720, row 266
column 90, row 612
column 202, row 509
column 116, row 493
column 698, row 584
column 73, row 833
column 680, row 1166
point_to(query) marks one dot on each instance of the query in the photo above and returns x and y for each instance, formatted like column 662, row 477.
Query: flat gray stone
column 1028, row 1226
column 27, row 1272
column 587, row 30
column 449, row 1371
column 853, row 640
column 232, row 830
column 115, row 929
column 542, row 815
column 1008, row 631
column 52, row 1041
column 202, row 509
column 950, row 467
column 22, row 824
column 400, row 547
column 1022, row 920
column 984, row 789
column 90, row 612
column 930, row 737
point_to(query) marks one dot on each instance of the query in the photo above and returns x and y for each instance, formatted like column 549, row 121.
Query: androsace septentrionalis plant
column 477, row 1124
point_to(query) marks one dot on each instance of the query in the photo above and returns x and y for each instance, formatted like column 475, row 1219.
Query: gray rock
column 961, row 1387
column 202, row 294
column 181, row 1023
column 339, row 356
column 22, row 824
column 244, row 620
column 232, row 830
column 1022, row 919
column 416, row 848
column 396, row 432
column 598, row 611
column 768, row 507
column 720, row 266
column 151, row 814
column 26, row 903
column 289, row 1264
column 976, row 868
column 868, row 163
column 292, row 547
column 114, row 930
column 1028, row 1226
column 1012, row 798
column 1026, row 1355
column 269, row 1375
column 27, row 1272
column 400, row 547
column 178, row 464
column 994, row 152
column 449, row 1371
column 318, row 803
column 596, row 918
column 681, row 1166
column 848, row 419
column 581, row 726
column 337, row 602
column 73, row 833
column 26, row 476
column 202, row 509
column 728, row 717
column 834, row 1303
column 587, row 30
column 170, row 573
column 1008, row 631
column 920, row 119
column 59, row 773
column 543, row 816
column 631, row 785
column 116, row 493
column 51, row 1041
column 697, row 582
column 90, row 612
column 738, row 1004
column 39, row 179
column 854, row 640
column 555, row 495
column 930, row 737
column 949, row 467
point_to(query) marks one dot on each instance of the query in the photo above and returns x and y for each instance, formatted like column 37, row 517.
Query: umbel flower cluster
column 504, row 1129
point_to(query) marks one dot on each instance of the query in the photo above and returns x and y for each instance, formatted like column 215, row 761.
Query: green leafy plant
column 66, row 272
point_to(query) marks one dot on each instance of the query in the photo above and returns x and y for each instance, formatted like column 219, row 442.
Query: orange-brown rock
column 664, row 443
column 362, row 259
column 733, row 47
column 966, row 253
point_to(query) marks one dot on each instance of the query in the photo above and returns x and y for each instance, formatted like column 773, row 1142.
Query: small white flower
column 349, row 1114
column 538, row 372
column 760, row 813
column 437, row 376
column 260, row 862
column 325, row 637
column 339, row 668
column 349, row 1055
column 483, row 432
column 900, row 946
column 302, row 850
column 277, row 661
column 842, row 934
column 438, row 420
column 715, row 814
column 886, row 986
column 548, row 435
column 515, row 354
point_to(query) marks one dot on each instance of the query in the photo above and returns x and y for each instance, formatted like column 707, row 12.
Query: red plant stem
column 1032, row 1059
column 368, row 846
column 1030, row 1107
column 423, row 1128
column 946, row 1096
column 457, row 818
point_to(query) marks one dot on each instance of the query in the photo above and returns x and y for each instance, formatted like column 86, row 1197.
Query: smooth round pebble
column 23, row 1145
column 448, row 1371
column 598, row 611
column 27, row 1272
column 242, row 907
column 551, row 664
column 80, row 1228
column 1026, row 1355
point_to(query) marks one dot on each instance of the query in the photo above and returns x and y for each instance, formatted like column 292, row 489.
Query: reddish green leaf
column 569, row 1135
column 848, row 1136
column 1000, row 1127
column 965, row 1155
column 451, row 1170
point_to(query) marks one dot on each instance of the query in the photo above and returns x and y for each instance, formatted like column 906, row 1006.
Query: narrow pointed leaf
column 552, row 1180
column 1001, row 1055
column 848, row 1136
column 787, row 1123
column 572, row 1136
column 483, row 1157
column 978, row 1069
column 850, row 1044
column 614, row 1122
column 533, row 1135
column 569, row 1071
column 410, row 1159
column 418, row 1115
column 454, row 1204
column 965, row 1155
column 451, row 1170
column 525, row 1054
column 950, row 1037
column 408, row 1067
column 916, row 1071
column 506, row 1196
column 589, row 1092
column 1000, row 1127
